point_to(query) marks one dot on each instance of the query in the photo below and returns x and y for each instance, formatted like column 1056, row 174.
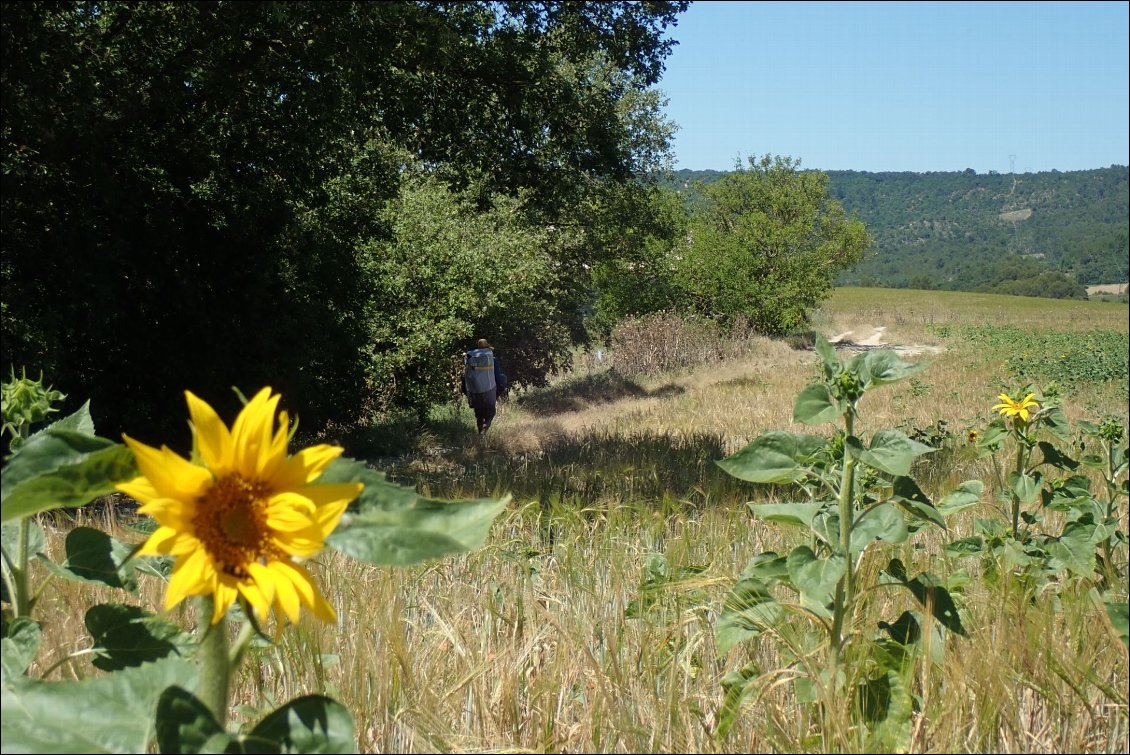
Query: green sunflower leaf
column 310, row 724
column 126, row 636
column 185, row 725
column 777, row 456
column 748, row 610
column 62, row 469
column 815, row 405
column 111, row 713
column 1119, row 615
column 19, row 647
column 94, row 556
column 391, row 525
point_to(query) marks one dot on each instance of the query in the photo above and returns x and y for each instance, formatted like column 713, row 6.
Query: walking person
column 483, row 380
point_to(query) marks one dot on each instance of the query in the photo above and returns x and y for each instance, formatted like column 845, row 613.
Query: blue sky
column 902, row 86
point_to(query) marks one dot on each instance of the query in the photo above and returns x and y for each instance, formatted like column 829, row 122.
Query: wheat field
column 536, row 642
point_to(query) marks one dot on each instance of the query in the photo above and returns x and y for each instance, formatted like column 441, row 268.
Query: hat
column 484, row 344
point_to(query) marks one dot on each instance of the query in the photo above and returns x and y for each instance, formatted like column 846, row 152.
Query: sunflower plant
column 231, row 529
column 854, row 499
column 1054, row 526
column 1021, row 419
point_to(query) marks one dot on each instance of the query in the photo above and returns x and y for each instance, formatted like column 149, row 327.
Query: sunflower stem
column 845, row 589
column 215, row 667
column 1020, row 458
column 21, row 605
column 1111, row 507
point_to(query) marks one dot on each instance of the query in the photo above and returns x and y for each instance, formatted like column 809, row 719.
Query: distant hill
column 1007, row 233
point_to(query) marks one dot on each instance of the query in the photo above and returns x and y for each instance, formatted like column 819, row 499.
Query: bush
column 666, row 341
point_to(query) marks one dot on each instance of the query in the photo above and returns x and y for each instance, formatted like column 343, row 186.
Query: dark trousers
column 483, row 404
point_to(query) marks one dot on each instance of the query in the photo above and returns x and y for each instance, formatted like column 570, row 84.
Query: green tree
column 187, row 186
column 638, row 279
column 447, row 273
column 767, row 245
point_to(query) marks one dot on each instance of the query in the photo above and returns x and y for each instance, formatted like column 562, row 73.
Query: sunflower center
column 231, row 522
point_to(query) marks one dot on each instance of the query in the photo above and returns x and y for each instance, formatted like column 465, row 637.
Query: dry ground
column 1109, row 288
column 876, row 340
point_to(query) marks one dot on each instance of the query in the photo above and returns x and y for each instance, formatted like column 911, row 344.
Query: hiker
column 483, row 381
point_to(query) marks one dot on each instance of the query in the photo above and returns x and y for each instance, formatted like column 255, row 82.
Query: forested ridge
column 1005, row 233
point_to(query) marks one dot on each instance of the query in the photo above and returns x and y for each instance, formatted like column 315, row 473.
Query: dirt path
column 875, row 341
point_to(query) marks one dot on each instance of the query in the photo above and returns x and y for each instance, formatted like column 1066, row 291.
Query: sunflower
column 1012, row 408
column 241, row 516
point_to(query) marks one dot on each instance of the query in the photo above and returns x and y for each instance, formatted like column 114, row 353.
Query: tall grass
column 537, row 642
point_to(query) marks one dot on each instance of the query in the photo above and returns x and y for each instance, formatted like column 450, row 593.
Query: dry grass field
column 1111, row 288
column 535, row 643
column 742, row 398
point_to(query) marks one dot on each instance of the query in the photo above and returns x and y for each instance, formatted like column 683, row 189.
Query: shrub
column 667, row 341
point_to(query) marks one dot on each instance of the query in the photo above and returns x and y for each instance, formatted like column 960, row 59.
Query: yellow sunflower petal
column 331, row 494
column 254, row 596
column 300, row 543
column 305, row 466
column 252, row 432
column 227, row 590
column 292, row 499
column 150, row 462
column 285, row 595
column 213, row 440
column 170, row 474
column 192, row 575
column 264, row 580
column 284, row 516
column 140, row 489
column 190, row 479
column 273, row 460
column 323, row 610
column 171, row 506
column 330, row 516
column 307, row 591
column 331, row 500
column 171, row 512
column 167, row 541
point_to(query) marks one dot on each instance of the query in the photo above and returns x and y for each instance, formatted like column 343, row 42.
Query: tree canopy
column 767, row 245
column 195, row 195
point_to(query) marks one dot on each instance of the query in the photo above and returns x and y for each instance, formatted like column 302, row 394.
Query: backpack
column 478, row 371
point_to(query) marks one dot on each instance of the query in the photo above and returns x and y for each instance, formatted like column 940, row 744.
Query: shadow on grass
column 393, row 437
column 582, row 471
column 445, row 458
column 581, row 393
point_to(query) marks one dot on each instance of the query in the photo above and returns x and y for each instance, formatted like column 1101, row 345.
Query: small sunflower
column 1012, row 408
column 972, row 436
column 241, row 520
